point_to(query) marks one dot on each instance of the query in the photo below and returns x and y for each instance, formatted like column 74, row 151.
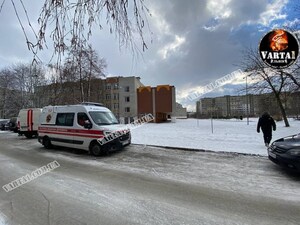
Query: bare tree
column 293, row 72
column 18, row 88
column 95, row 67
column 6, row 83
column 27, row 78
column 293, row 75
column 265, row 79
column 70, row 22
column 83, row 65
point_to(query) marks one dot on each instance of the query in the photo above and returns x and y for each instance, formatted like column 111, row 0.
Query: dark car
column 4, row 124
column 13, row 124
column 286, row 152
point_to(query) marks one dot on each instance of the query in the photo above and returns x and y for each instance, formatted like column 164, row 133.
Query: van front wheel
column 95, row 149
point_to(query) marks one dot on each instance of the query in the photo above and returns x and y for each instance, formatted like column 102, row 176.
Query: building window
column 116, row 105
column 108, row 87
column 127, row 89
column 107, row 97
column 116, row 96
column 127, row 99
column 116, row 86
column 127, row 109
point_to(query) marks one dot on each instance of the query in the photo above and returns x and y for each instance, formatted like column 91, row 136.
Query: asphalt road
column 144, row 185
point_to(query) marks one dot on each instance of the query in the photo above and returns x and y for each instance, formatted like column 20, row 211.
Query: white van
column 28, row 121
column 81, row 126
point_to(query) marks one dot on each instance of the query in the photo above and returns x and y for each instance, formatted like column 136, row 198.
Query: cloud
column 193, row 42
column 273, row 12
column 220, row 9
column 171, row 47
column 214, row 35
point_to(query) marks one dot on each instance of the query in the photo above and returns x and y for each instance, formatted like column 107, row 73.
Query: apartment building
column 126, row 97
column 226, row 106
column 68, row 93
column 116, row 93
column 120, row 96
column 250, row 105
column 180, row 111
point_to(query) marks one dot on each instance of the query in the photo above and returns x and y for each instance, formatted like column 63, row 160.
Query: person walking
column 266, row 123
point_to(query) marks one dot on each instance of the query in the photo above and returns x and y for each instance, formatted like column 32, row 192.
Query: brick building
column 159, row 101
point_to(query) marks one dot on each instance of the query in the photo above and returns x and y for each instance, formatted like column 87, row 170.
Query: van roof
column 78, row 107
column 30, row 108
column 92, row 103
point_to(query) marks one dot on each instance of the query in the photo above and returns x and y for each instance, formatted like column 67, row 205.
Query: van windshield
column 103, row 118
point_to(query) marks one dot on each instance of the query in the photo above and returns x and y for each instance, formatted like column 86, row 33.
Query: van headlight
column 294, row 152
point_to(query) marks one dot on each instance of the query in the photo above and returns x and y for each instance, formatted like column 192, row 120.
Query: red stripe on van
column 29, row 120
column 70, row 130
column 71, row 134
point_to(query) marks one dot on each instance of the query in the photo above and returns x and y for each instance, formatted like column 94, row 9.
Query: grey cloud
column 204, row 56
column 209, row 55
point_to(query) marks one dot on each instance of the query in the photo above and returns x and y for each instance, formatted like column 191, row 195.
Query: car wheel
column 96, row 149
column 47, row 143
column 28, row 135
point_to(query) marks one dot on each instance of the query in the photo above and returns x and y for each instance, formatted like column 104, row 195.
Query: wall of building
column 145, row 100
column 160, row 101
column 128, row 97
column 116, row 93
column 252, row 105
column 179, row 111
column 69, row 93
column 121, row 97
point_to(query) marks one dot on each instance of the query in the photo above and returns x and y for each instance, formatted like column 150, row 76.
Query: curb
column 200, row 150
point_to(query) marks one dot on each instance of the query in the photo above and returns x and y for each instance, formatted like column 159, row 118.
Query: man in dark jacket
column 266, row 123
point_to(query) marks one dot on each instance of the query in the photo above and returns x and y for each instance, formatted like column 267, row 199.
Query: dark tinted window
column 65, row 119
column 82, row 118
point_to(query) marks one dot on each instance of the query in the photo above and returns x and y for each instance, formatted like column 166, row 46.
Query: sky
column 191, row 43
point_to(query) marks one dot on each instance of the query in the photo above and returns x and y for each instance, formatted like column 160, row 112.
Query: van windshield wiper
column 104, row 123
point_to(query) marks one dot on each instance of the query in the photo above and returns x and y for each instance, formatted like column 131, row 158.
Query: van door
column 84, row 135
column 63, row 134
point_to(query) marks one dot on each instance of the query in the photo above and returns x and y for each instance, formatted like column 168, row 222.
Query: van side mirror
column 88, row 125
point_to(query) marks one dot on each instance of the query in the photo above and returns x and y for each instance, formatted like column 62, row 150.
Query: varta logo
column 279, row 49
column 278, row 55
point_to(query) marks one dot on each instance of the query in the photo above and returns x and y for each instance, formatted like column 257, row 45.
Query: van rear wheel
column 28, row 135
column 47, row 143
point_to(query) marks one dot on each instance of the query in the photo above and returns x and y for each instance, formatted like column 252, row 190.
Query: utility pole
column 247, row 100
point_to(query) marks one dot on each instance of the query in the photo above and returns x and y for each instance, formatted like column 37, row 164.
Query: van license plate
column 272, row 155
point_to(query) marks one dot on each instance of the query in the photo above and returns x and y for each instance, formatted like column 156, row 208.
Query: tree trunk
column 282, row 110
column 81, row 83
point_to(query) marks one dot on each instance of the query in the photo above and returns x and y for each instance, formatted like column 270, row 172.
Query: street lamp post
column 211, row 122
column 247, row 101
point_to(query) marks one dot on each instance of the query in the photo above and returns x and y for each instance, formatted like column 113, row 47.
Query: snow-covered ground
column 149, row 185
column 227, row 136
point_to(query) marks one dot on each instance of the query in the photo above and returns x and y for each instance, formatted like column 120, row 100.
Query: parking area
column 144, row 185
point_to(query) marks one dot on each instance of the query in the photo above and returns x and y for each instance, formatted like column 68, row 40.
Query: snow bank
column 216, row 135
